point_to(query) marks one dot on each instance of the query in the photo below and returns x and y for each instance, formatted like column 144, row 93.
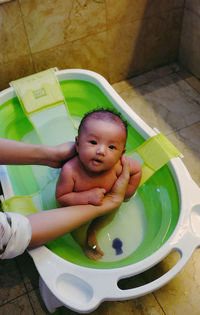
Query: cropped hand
column 116, row 196
column 59, row 154
column 96, row 196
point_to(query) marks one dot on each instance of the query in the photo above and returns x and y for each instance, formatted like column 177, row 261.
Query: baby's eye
column 112, row 147
column 93, row 142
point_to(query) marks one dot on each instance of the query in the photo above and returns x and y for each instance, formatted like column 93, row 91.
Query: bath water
column 54, row 125
column 126, row 231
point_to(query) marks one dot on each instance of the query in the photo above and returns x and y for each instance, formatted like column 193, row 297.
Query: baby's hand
column 96, row 196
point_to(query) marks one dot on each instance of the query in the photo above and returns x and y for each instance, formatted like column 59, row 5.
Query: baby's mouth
column 97, row 161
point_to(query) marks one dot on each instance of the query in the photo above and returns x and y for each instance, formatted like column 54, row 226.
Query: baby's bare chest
column 84, row 182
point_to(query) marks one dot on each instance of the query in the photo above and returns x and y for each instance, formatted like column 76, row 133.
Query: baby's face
column 100, row 145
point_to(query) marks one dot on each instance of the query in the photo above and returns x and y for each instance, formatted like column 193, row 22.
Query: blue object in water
column 117, row 245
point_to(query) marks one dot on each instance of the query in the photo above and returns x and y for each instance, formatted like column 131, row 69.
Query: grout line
column 188, row 81
column 14, row 299
column 31, row 303
column 30, row 52
column 107, row 45
column 33, row 287
column 192, row 11
column 146, row 17
column 159, row 303
column 19, row 296
column 179, row 129
column 40, row 301
column 21, row 275
column 157, row 77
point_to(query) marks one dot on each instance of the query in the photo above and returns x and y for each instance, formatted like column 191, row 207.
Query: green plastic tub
column 154, row 214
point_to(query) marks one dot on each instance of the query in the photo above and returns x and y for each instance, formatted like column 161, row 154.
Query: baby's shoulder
column 71, row 165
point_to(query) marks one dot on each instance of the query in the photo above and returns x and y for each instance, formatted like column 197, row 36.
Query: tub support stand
column 49, row 299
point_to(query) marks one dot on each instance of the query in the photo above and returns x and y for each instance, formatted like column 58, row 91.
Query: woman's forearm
column 14, row 152
column 19, row 153
column 51, row 224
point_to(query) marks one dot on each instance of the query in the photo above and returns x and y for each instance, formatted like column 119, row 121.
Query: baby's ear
column 76, row 143
column 124, row 151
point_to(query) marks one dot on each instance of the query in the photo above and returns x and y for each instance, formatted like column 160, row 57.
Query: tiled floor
column 168, row 99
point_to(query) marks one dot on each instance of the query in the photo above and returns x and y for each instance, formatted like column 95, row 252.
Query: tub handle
column 101, row 290
column 83, row 290
column 110, row 290
column 185, row 246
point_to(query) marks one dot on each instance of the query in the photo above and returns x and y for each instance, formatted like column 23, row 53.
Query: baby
column 100, row 144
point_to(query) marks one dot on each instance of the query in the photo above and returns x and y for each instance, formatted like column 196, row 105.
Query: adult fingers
column 121, row 184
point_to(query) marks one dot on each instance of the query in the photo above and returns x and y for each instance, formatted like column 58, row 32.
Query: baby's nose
column 101, row 149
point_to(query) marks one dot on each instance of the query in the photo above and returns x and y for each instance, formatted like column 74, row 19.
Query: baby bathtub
column 171, row 203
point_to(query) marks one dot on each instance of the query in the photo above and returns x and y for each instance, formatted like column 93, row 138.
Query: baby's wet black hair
column 103, row 114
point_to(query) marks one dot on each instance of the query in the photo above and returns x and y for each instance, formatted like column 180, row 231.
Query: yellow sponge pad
column 38, row 91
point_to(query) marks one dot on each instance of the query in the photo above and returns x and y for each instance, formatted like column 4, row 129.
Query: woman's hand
column 56, row 156
column 116, row 196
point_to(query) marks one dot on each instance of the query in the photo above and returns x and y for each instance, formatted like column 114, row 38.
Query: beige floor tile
column 181, row 295
column 194, row 82
column 145, row 305
column 11, row 283
column 187, row 141
column 190, row 79
column 166, row 70
column 153, row 115
column 193, row 5
column 168, row 104
column 20, row 306
column 130, row 84
column 174, row 66
column 145, row 77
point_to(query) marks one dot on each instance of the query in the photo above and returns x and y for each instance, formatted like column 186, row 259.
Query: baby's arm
column 135, row 176
column 65, row 195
